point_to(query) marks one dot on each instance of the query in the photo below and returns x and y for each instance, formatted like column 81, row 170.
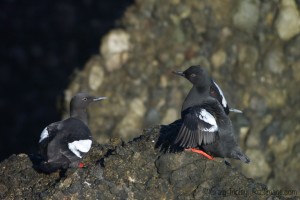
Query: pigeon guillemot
column 205, row 124
column 215, row 91
column 62, row 144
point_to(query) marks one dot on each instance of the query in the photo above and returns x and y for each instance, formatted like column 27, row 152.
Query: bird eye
column 84, row 99
column 193, row 75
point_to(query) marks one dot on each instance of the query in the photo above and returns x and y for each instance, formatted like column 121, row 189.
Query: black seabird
column 62, row 144
column 205, row 124
column 214, row 90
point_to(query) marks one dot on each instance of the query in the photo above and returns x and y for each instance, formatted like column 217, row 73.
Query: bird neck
column 80, row 114
column 195, row 97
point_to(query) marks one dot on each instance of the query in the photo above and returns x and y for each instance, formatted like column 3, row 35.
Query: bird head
column 197, row 75
column 82, row 100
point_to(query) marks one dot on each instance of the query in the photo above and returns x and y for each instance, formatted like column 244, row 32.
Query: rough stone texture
column 245, row 46
column 114, row 48
column 288, row 21
column 247, row 15
column 134, row 170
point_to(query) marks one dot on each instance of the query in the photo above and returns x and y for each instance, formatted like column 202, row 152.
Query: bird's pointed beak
column 179, row 73
column 99, row 98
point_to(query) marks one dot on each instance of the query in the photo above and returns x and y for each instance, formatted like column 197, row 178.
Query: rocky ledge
column 133, row 170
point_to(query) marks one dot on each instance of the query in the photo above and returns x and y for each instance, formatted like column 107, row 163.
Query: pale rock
column 132, row 122
column 259, row 167
column 247, row 15
column 276, row 98
column 137, row 106
column 248, row 56
column 274, row 60
column 96, row 77
column 163, row 81
column 219, row 58
column 170, row 116
column 244, row 131
column 115, row 49
column 226, row 32
column 288, row 21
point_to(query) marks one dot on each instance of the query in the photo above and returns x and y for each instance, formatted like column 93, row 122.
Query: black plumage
column 205, row 123
column 214, row 89
column 63, row 144
column 196, row 128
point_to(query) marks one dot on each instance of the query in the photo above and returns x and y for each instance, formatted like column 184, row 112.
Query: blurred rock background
column 252, row 49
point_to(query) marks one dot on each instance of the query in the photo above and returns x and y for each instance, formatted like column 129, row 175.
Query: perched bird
column 205, row 124
column 62, row 144
column 214, row 90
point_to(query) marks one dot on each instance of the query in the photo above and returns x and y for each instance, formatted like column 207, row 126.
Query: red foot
column 200, row 152
column 81, row 165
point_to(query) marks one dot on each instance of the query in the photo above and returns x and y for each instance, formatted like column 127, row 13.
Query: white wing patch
column 80, row 146
column 44, row 135
column 224, row 102
column 208, row 118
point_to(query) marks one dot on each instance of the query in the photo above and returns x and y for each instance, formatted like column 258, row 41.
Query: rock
column 291, row 49
column 96, row 77
column 131, row 124
column 239, row 44
column 296, row 70
column 281, row 148
column 260, row 168
column 247, row 15
column 134, row 170
column 250, row 47
column 170, row 116
column 258, row 104
column 288, row 20
column 218, row 58
column 274, row 60
column 152, row 118
column 248, row 56
column 3, row 190
column 115, row 49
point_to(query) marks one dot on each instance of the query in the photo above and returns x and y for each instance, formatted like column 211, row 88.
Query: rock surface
column 248, row 49
column 288, row 21
column 134, row 170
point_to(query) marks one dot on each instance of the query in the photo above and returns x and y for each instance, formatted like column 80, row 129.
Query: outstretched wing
column 199, row 128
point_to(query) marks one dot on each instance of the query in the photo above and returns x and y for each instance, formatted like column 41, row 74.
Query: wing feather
column 199, row 127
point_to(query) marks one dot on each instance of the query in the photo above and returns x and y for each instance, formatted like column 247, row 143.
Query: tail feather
column 49, row 167
column 52, row 166
column 237, row 154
